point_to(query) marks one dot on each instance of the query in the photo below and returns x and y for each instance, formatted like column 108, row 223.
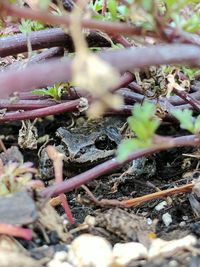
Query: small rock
column 54, row 263
column 60, row 256
column 149, row 221
column 125, row 253
column 90, row 251
column 59, row 260
column 182, row 224
column 161, row 206
column 163, row 248
column 185, row 217
column 167, row 219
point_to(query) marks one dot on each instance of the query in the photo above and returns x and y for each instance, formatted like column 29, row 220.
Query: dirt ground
column 169, row 219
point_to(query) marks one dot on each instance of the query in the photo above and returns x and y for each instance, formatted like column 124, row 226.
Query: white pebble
column 182, row 224
column 185, row 218
column 167, row 219
column 55, row 263
column 163, row 248
column 59, row 260
column 161, row 206
column 60, row 256
column 90, row 251
column 149, row 221
column 125, row 253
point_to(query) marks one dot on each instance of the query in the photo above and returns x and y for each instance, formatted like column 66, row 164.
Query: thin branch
column 112, row 164
column 161, row 194
column 42, row 112
column 54, row 52
column 45, row 17
column 27, row 104
column 57, row 159
column 188, row 99
column 48, row 73
column 48, row 38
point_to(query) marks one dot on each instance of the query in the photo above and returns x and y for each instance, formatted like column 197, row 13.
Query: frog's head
column 89, row 146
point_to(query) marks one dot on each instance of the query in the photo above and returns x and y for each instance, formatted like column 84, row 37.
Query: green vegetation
column 144, row 124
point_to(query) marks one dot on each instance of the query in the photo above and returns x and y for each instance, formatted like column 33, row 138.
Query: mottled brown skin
column 84, row 146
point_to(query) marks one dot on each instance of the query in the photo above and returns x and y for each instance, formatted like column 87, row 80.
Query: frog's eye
column 48, row 163
column 103, row 142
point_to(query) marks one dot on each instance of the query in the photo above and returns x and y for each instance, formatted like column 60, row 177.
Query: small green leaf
column 143, row 122
column 185, row 118
column 112, row 7
column 127, row 146
column 197, row 125
column 43, row 4
column 40, row 91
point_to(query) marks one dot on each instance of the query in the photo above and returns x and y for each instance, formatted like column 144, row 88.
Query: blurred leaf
column 112, row 7
column 197, row 125
column 54, row 91
column 185, row 118
column 143, row 123
column 127, row 146
column 43, row 4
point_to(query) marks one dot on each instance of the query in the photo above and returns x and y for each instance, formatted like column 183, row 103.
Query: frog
column 84, row 145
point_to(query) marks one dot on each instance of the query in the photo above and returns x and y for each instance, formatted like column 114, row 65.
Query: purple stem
column 109, row 165
column 44, row 55
column 27, row 104
column 47, row 38
column 31, row 96
column 42, row 112
column 188, row 99
column 48, row 73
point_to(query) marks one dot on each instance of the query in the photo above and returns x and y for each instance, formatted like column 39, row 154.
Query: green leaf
column 143, row 122
column 43, row 4
column 25, row 26
column 40, row 91
column 127, row 146
column 185, row 118
column 112, row 7
column 190, row 72
column 197, row 125
column 123, row 10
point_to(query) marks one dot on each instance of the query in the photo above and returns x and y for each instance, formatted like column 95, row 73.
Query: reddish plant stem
column 127, row 78
column 48, row 38
column 17, row 43
column 45, row 17
column 27, row 104
column 132, row 97
column 136, row 88
column 43, row 107
column 112, row 164
column 31, row 96
column 13, row 230
column 120, row 39
column 176, row 35
column 188, row 99
column 123, row 59
column 42, row 112
column 104, row 7
column 57, row 159
column 54, row 52
column 174, row 100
